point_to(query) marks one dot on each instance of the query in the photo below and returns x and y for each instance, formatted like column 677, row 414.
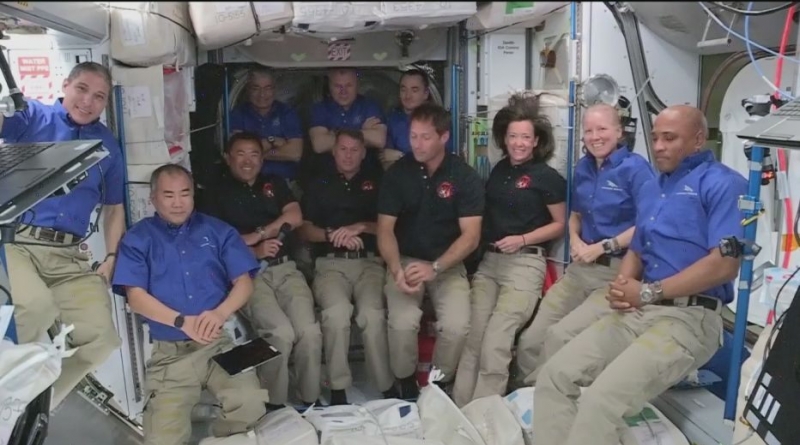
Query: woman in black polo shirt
column 525, row 210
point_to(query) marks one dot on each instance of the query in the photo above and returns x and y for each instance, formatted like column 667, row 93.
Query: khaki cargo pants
column 505, row 291
column 571, row 305
column 337, row 282
column 449, row 292
column 624, row 360
column 56, row 283
column 177, row 373
column 282, row 311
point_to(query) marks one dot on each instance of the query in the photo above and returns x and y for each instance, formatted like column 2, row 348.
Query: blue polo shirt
column 685, row 214
column 70, row 212
column 605, row 197
column 189, row 268
column 281, row 121
column 398, row 129
column 333, row 116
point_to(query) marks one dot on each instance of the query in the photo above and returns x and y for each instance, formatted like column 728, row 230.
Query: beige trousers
column 450, row 294
column 571, row 305
column 337, row 282
column 177, row 373
column 282, row 311
column 504, row 294
column 56, row 283
column 624, row 360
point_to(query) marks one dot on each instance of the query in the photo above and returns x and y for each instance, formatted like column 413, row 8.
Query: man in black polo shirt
column 341, row 209
column 282, row 306
column 429, row 220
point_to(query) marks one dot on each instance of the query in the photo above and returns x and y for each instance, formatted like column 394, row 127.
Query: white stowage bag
column 221, row 24
column 404, row 15
column 494, row 421
column 520, row 403
column 396, row 417
column 282, row 427
column 651, row 427
column 335, row 17
column 342, row 421
column 387, row 440
column 152, row 33
column 25, row 372
column 442, row 420
column 497, row 14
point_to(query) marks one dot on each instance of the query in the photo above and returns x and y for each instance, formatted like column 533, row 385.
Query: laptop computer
column 780, row 128
column 773, row 407
column 31, row 172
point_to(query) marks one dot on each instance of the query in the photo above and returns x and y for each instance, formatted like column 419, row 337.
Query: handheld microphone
column 284, row 231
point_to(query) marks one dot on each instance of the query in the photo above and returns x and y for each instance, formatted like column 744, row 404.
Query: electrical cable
column 741, row 37
column 750, row 13
column 782, row 161
column 753, row 61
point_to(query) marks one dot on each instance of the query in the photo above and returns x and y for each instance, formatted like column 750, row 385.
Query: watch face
column 179, row 321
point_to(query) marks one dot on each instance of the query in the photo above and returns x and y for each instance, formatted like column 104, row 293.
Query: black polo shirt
column 428, row 208
column 247, row 207
column 517, row 197
column 332, row 201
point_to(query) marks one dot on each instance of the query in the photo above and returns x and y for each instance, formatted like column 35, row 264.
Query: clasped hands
column 624, row 294
column 411, row 278
column 204, row 328
column 584, row 253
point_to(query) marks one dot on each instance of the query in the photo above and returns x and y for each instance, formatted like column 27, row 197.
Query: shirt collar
column 163, row 224
column 615, row 158
column 252, row 109
column 444, row 166
column 690, row 162
column 356, row 103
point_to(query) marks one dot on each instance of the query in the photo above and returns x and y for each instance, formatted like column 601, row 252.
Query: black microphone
column 284, row 231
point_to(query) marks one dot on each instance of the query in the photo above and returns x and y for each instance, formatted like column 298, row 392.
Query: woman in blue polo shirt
column 601, row 226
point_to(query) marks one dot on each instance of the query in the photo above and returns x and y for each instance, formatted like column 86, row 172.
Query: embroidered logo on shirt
column 267, row 190
column 445, row 190
column 367, row 186
column 523, row 182
column 276, row 122
column 687, row 191
column 207, row 242
column 610, row 185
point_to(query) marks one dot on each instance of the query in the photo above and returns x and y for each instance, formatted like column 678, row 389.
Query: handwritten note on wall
column 137, row 102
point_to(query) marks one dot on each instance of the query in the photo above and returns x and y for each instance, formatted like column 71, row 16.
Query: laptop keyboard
column 791, row 109
column 11, row 155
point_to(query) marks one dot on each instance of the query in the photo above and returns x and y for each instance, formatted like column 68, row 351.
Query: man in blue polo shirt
column 672, row 285
column 276, row 123
column 345, row 108
column 186, row 273
column 414, row 91
column 50, row 277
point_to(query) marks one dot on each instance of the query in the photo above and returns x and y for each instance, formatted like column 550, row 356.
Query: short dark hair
column 169, row 169
column 243, row 136
column 260, row 71
column 91, row 67
column 352, row 134
column 525, row 107
column 417, row 72
column 435, row 114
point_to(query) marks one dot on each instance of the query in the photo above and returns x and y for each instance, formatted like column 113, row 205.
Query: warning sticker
column 34, row 66
column 338, row 51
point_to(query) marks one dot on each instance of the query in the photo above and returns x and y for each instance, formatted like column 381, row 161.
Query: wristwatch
column 270, row 139
column 435, row 267
column 178, row 323
column 328, row 232
column 651, row 292
column 608, row 246
column 260, row 230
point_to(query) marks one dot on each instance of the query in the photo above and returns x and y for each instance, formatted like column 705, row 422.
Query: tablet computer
column 246, row 356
